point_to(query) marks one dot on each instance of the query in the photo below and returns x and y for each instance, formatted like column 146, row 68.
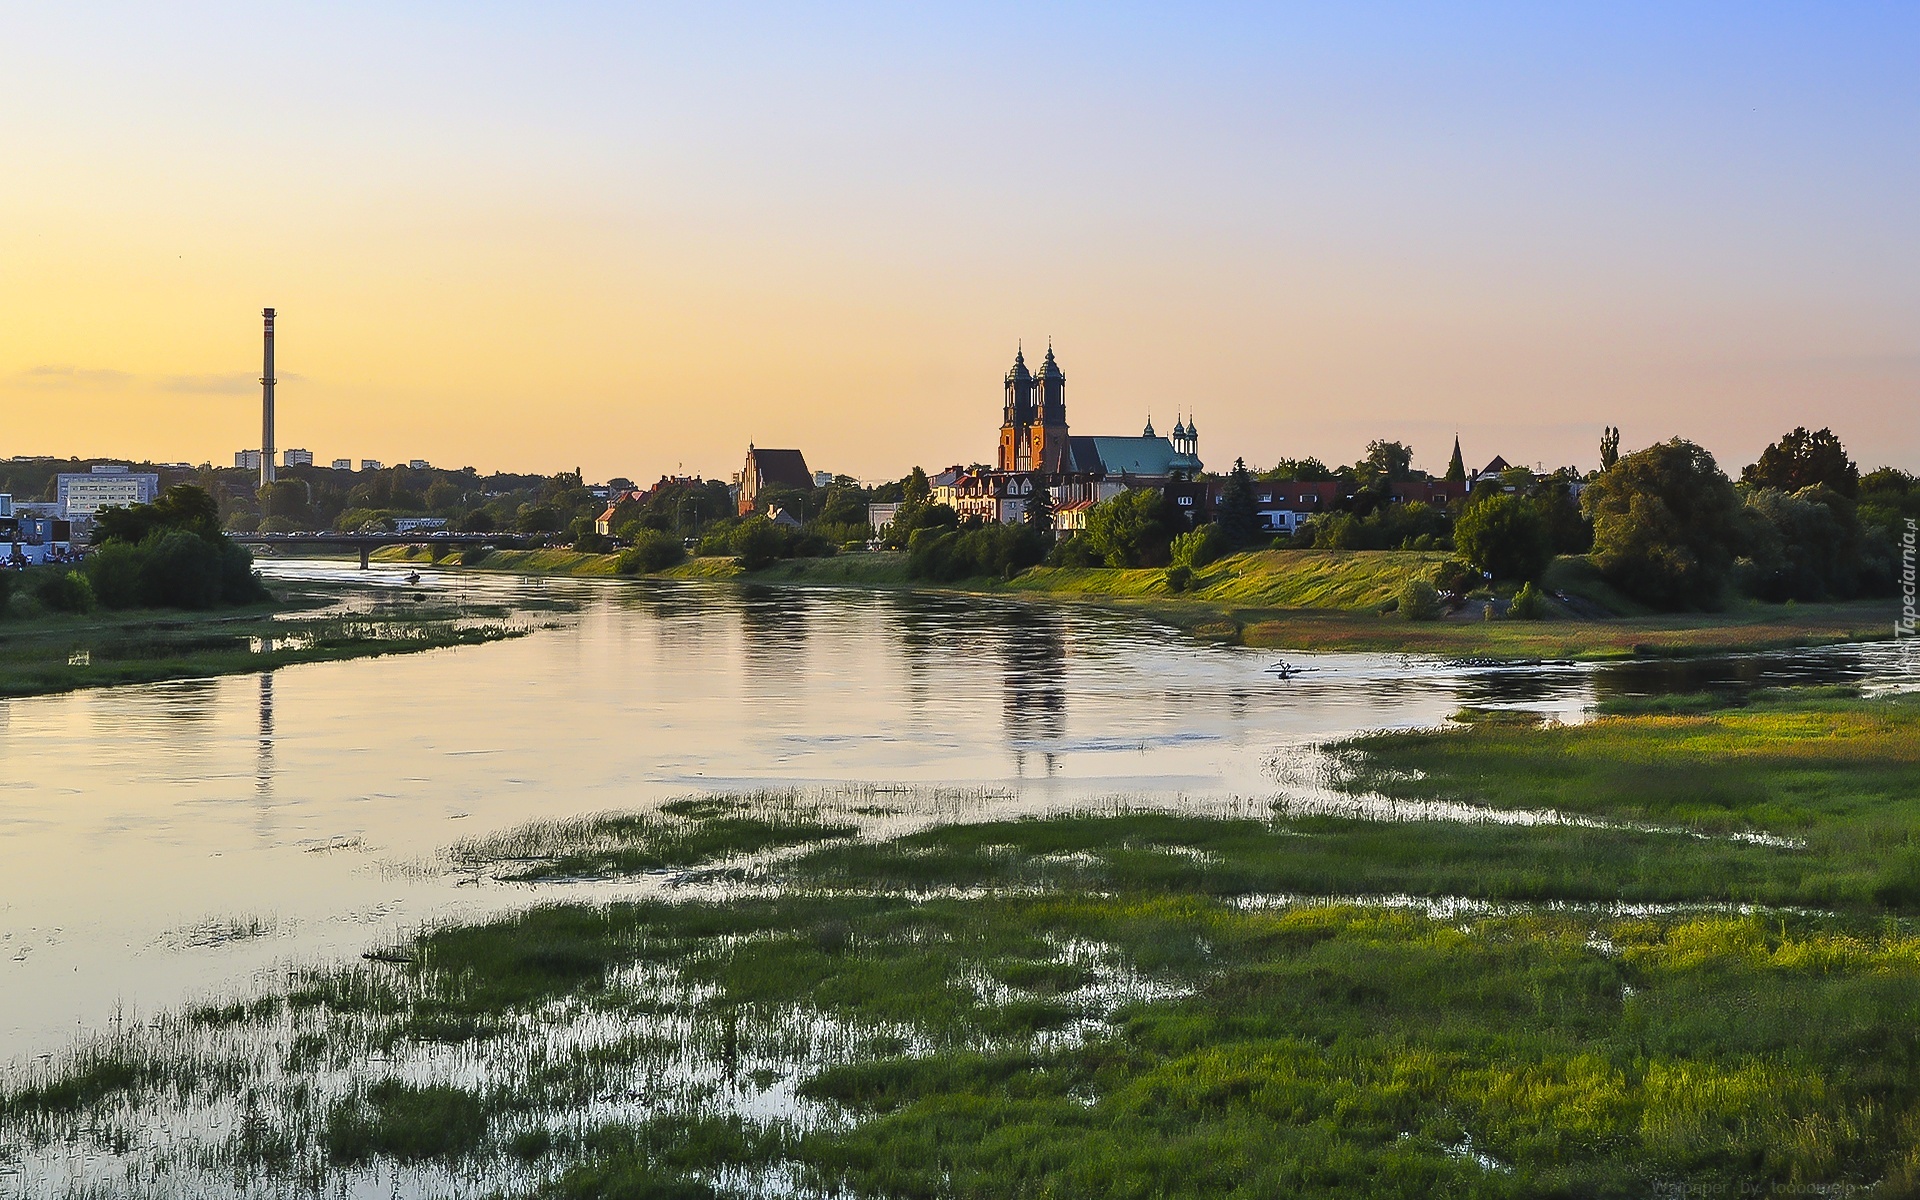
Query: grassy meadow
column 1672, row 951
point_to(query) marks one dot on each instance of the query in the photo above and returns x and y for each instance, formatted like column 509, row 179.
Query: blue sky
column 492, row 227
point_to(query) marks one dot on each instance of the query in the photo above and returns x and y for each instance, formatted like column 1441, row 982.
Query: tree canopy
column 1667, row 525
column 1801, row 460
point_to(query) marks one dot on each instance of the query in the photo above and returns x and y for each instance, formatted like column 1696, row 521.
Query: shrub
column 114, row 571
column 1456, row 577
column 1180, row 576
column 6, row 589
column 651, row 551
column 1418, row 600
column 1200, row 546
column 1073, row 551
column 65, row 591
column 1529, row 603
column 592, row 542
column 993, row 551
column 179, row 570
column 756, row 542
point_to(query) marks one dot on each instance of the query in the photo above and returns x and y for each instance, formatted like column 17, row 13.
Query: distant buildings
column 343, row 464
column 248, row 460
column 418, row 464
column 372, row 464
column 768, row 469
column 79, row 497
column 297, row 458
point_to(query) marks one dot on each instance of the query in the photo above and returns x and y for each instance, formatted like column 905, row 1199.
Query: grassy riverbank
column 1423, row 997
column 307, row 622
column 1310, row 600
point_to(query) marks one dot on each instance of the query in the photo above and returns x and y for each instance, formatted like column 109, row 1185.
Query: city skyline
column 530, row 241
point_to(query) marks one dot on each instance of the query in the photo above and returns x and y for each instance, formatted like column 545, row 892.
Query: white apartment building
column 297, row 458
column 81, row 496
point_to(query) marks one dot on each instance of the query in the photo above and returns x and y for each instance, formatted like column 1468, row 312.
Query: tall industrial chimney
column 266, row 404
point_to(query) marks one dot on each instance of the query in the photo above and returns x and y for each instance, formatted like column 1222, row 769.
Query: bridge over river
column 367, row 543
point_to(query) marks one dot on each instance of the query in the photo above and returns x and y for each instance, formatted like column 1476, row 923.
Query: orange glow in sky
column 540, row 237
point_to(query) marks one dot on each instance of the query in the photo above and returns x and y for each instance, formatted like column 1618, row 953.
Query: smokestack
column 266, row 403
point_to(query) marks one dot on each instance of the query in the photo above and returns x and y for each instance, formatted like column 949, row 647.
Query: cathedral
column 1034, row 437
column 1037, row 450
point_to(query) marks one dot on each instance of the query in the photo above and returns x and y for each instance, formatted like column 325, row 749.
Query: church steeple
column 1033, row 425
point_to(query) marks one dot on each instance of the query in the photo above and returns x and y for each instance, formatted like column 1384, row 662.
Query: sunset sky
column 630, row 239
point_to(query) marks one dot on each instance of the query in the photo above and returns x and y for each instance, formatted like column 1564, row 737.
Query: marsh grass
column 682, row 833
column 1109, row 1005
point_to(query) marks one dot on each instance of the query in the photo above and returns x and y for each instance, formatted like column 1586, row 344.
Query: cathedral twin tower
column 1033, row 426
column 1033, row 423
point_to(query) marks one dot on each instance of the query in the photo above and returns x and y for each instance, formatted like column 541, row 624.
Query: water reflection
column 263, row 751
column 1521, row 687
column 321, row 794
column 1034, row 703
column 1739, row 675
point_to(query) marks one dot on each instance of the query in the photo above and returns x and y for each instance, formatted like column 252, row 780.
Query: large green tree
column 1667, row 526
column 1803, row 460
column 1506, row 536
column 1134, row 529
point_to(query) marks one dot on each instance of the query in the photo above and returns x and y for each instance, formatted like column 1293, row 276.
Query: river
column 168, row 841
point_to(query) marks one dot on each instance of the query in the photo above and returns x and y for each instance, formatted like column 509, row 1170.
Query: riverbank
column 306, row 622
column 1445, row 991
column 1305, row 600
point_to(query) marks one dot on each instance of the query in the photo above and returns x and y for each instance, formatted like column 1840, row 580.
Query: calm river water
column 163, row 842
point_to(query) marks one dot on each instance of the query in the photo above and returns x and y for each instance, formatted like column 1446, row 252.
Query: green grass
column 684, row 833
column 403, row 1122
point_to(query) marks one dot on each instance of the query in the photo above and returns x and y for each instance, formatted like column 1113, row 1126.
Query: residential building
column 822, row 478
column 247, row 459
column 992, row 496
column 417, row 464
column 372, row 464
column 343, row 464
column 1283, row 506
column 880, row 516
column 769, row 469
column 36, row 534
column 1492, row 471
column 941, row 486
column 297, row 458
column 1437, row 492
column 81, row 496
